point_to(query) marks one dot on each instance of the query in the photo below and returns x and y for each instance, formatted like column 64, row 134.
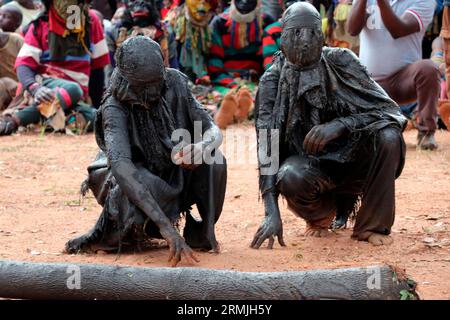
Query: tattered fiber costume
column 362, row 165
column 140, row 133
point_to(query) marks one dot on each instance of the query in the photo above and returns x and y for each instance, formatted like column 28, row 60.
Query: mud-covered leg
column 207, row 187
column 376, row 215
column 84, row 243
column 308, row 192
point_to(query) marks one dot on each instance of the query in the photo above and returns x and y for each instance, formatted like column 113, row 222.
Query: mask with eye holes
column 139, row 77
column 302, row 38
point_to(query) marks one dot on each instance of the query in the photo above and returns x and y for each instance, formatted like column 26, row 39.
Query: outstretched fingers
column 255, row 238
column 260, row 239
column 271, row 241
column 172, row 251
column 177, row 251
column 189, row 256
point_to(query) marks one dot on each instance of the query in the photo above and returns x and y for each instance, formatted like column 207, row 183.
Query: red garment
column 35, row 54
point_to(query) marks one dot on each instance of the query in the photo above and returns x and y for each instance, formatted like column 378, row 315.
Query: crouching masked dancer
column 143, row 179
column 340, row 137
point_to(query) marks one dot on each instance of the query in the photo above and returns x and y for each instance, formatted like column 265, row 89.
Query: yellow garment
column 342, row 12
column 324, row 25
column 341, row 38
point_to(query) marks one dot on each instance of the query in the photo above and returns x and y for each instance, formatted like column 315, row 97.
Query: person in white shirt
column 391, row 34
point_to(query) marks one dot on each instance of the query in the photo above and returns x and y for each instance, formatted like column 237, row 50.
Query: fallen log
column 24, row 280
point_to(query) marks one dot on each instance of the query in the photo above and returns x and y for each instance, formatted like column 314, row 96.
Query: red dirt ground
column 39, row 211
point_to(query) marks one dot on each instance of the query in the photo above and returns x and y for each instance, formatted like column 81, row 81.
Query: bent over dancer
column 141, row 178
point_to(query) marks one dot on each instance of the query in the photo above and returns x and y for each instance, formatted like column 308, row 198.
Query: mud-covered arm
column 265, row 101
column 268, row 159
column 375, row 119
column 118, row 151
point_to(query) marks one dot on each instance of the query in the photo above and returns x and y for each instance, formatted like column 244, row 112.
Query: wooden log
column 24, row 280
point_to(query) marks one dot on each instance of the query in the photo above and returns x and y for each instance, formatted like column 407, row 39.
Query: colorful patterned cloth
column 235, row 54
column 35, row 54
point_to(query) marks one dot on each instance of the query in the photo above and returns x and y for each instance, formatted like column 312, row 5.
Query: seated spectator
column 10, row 44
column 139, row 18
column 10, row 19
column 273, row 8
column 30, row 10
column 189, row 23
column 236, row 50
column 54, row 66
column 167, row 6
column 118, row 15
column 391, row 34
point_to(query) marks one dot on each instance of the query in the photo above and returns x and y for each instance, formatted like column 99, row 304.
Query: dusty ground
column 40, row 211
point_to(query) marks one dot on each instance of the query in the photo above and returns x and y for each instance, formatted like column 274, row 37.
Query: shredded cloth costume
column 134, row 169
column 354, row 173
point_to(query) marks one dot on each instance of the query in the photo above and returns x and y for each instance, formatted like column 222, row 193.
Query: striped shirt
column 226, row 61
column 271, row 42
column 35, row 54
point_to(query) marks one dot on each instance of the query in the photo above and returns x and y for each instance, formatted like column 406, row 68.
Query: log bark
column 24, row 280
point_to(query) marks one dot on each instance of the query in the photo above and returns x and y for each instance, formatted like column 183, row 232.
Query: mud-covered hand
column 272, row 225
column 320, row 135
column 42, row 94
column 190, row 156
column 179, row 249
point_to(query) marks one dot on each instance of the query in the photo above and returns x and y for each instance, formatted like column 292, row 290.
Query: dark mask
column 303, row 46
column 140, row 74
column 143, row 13
column 146, row 94
column 302, row 37
column 245, row 6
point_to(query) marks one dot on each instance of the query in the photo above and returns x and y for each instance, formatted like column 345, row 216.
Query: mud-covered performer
column 142, row 178
column 340, row 137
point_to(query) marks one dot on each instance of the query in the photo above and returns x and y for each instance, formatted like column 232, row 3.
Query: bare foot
column 317, row 232
column 380, row 239
column 313, row 230
column 318, row 228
